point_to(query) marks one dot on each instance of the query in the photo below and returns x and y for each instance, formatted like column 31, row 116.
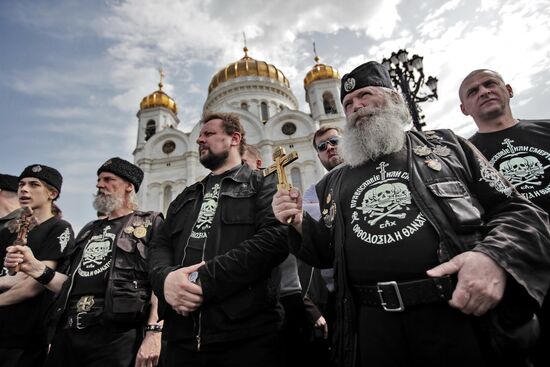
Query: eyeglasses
column 322, row 146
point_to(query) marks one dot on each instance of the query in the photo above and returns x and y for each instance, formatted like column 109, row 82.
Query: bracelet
column 46, row 276
column 154, row 328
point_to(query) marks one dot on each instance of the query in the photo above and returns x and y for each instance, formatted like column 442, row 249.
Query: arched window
column 264, row 111
column 244, row 106
column 328, row 103
column 296, row 178
column 150, row 129
column 167, row 197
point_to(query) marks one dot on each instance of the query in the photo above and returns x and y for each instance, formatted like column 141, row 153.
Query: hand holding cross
column 281, row 160
column 22, row 226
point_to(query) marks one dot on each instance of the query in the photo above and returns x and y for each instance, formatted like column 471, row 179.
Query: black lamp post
column 407, row 75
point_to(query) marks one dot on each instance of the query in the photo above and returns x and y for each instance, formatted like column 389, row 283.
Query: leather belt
column 394, row 296
column 83, row 312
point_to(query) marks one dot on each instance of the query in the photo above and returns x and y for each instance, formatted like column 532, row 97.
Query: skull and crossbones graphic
column 386, row 200
column 522, row 170
column 95, row 253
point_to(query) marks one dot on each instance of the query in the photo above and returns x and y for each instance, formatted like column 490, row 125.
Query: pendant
column 432, row 135
column 140, row 232
column 433, row 164
column 422, row 151
column 442, row 150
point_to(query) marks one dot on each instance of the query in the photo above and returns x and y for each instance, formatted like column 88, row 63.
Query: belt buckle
column 380, row 291
column 85, row 304
column 78, row 316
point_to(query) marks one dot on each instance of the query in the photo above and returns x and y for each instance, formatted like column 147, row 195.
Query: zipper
column 197, row 324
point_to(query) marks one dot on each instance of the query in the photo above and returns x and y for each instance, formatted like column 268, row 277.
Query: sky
column 72, row 73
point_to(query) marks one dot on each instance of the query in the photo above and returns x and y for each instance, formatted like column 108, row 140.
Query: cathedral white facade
column 260, row 94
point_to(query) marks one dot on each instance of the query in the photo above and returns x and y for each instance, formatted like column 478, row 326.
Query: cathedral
column 269, row 112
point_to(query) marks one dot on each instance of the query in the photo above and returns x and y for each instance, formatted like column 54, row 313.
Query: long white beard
column 371, row 133
column 107, row 203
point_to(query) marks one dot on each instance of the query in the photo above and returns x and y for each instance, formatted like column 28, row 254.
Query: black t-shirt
column 23, row 323
column 387, row 237
column 205, row 217
column 93, row 270
column 522, row 154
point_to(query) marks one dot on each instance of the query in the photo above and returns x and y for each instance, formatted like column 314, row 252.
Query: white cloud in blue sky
column 74, row 72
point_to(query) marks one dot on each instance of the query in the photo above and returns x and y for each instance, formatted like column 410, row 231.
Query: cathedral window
column 168, row 147
column 150, row 129
column 244, row 106
column 329, row 104
column 296, row 178
column 264, row 112
column 167, row 197
column 288, row 128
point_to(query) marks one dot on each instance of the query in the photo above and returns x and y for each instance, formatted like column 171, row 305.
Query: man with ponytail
column 23, row 300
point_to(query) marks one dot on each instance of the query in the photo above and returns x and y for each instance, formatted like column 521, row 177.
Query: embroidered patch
column 64, row 239
column 349, row 84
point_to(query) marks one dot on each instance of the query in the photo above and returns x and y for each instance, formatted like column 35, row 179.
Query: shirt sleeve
column 57, row 243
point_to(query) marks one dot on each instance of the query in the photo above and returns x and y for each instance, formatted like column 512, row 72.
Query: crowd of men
column 415, row 249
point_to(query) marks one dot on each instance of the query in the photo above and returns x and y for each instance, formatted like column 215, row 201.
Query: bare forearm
column 21, row 291
column 7, row 282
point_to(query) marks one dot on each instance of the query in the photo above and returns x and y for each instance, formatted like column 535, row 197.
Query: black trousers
column 431, row 335
column 262, row 351
column 97, row 345
column 28, row 357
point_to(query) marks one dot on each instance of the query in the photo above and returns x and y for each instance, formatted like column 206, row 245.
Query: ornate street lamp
column 407, row 75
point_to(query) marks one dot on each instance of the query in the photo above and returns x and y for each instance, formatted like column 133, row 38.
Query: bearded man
column 212, row 263
column 105, row 313
column 438, row 260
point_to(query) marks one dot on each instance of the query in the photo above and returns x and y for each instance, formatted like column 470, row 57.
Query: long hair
column 56, row 211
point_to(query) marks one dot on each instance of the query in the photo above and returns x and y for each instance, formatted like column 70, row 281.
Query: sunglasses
column 322, row 146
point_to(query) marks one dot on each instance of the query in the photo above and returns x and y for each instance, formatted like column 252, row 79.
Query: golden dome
column 247, row 66
column 320, row 72
column 159, row 99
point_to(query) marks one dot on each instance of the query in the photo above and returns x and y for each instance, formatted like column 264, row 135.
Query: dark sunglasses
column 322, row 146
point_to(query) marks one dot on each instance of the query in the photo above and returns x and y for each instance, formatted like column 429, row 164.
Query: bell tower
column 322, row 85
column 157, row 111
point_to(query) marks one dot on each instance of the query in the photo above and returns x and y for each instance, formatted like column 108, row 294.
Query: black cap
column 124, row 169
column 8, row 182
column 49, row 175
column 369, row 74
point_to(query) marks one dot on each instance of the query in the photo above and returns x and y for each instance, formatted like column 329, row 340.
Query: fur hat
column 8, row 182
column 369, row 74
column 124, row 169
column 49, row 175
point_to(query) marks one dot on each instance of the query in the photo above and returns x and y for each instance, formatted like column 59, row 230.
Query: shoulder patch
column 64, row 239
column 491, row 176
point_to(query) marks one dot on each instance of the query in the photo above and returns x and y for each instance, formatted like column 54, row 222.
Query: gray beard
column 371, row 133
column 107, row 203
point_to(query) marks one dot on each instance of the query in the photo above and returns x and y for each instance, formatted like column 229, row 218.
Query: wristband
column 154, row 328
column 46, row 276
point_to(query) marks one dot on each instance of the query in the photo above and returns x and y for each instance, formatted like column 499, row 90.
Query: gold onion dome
column 320, row 72
column 159, row 99
column 247, row 66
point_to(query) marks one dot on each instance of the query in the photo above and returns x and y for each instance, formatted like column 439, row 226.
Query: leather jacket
column 128, row 290
column 238, row 280
column 468, row 203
